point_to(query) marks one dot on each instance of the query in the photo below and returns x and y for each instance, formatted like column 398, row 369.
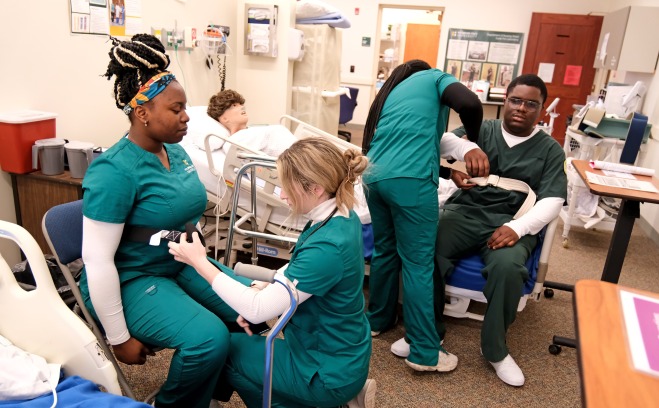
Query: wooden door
column 422, row 42
column 568, row 41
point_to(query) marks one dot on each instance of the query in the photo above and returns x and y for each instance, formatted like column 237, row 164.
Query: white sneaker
column 445, row 362
column 366, row 397
column 401, row 347
column 509, row 372
column 375, row 333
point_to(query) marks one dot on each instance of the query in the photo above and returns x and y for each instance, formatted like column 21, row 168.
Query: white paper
column 617, row 174
column 457, row 49
column 79, row 23
column 622, row 168
column 80, row 6
column 133, row 25
column 620, row 183
column 504, row 53
column 100, row 22
column 133, row 8
column 546, row 72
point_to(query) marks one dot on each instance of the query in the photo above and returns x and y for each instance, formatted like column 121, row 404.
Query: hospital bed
column 39, row 322
column 217, row 165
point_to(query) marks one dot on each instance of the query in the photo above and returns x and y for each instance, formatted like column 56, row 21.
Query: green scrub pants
column 504, row 270
column 180, row 312
column 245, row 367
column 404, row 213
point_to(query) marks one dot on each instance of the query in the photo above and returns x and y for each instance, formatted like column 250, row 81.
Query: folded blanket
column 332, row 21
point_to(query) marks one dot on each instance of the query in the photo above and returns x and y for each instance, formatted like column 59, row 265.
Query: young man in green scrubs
column 485, row 219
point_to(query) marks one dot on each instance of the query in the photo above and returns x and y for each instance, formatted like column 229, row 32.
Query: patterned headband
column 149, row 90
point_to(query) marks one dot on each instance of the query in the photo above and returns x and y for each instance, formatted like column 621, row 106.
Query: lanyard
column 322, row 224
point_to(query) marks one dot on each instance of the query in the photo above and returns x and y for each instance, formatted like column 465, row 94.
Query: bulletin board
column 117, row 18
column 492, row 56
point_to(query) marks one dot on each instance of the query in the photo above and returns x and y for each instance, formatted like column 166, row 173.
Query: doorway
column 405, row 33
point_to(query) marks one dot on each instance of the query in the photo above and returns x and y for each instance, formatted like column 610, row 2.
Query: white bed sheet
column 280, row 216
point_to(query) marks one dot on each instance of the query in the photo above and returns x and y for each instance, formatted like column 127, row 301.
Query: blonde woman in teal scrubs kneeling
column 324, row 358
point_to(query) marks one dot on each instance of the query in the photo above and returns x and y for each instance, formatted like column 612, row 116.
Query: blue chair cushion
column 467, row 272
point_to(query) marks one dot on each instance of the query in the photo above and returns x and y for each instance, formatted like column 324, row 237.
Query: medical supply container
column 18, row 132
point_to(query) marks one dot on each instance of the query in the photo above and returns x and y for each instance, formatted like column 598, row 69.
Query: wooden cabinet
column 35, row 193
column 629, row 40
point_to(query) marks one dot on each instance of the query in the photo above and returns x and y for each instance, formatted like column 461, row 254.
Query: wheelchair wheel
column 549, row 293
column 555, row 349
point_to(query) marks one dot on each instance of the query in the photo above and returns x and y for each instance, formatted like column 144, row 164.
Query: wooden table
column 608, row 378
column 35, row 193
column 629, row 211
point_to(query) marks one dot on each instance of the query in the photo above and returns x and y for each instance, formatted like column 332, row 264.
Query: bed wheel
column 555, row 349
column 549, row 293
column 565, row 245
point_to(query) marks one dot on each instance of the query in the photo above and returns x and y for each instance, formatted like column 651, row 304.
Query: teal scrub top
column 329, row 333
column 538, row 161
column 412, row 121
column 129, row 185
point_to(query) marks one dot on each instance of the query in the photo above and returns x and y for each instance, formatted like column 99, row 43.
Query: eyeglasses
column 531, row 106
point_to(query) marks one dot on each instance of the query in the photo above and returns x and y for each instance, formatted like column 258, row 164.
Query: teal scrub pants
column 404, row 213
column 180, row 312
column 504, row 270
column 245, row 368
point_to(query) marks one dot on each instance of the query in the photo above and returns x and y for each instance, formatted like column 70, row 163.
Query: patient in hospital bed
column 226, row 116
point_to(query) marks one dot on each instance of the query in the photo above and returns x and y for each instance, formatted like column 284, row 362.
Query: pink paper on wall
column 572, row 75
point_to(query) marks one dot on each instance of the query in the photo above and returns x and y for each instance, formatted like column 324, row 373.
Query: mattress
column 280, row 216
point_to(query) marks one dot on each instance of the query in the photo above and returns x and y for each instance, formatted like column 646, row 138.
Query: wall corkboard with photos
column 478, row 55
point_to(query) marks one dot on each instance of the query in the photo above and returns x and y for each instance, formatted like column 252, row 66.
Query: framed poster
column 480, row 55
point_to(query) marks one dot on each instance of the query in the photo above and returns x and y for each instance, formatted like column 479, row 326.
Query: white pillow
column 200, row 125
column 312, row 9
column 271, row 139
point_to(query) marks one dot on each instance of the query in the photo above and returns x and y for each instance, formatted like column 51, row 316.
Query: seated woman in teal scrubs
column 137, row 291
column 324, row 358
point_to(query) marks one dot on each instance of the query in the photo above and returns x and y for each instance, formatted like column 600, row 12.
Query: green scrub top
column 329, row 333
column 538, row 161
column 127, row 184
column 413, row 119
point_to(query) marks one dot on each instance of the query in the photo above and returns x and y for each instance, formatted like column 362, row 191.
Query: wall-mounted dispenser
column 295, row 44
column 261, row 30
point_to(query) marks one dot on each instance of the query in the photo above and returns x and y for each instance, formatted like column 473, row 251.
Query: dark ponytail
column 398, row 75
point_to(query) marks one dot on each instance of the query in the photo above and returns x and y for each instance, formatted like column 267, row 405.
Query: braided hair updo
column 133, row 63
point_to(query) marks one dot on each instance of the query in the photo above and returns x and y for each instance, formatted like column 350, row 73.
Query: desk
column 608, row 378
column 35, row 193
column 622, row 231
column 629, row 211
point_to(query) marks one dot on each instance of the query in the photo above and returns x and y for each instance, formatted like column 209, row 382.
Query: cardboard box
column 18, row 132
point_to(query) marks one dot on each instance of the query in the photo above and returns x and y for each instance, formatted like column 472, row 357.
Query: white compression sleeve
column 542, row 213
column 100, row 241
column 453, row 147
column 255, row 305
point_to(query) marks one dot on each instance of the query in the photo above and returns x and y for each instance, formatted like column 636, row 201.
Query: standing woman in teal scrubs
column 139, row 293
column 324, row 357
column 402, row 138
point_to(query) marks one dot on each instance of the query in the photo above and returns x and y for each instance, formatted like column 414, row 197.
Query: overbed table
column 622, row 231
column 608, row 377
column 629, row 211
